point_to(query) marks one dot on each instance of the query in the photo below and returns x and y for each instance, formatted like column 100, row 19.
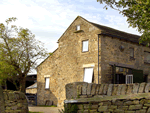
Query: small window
column 146, row 57
column 46, row 83
column 88, row 75
column 78, row 27
column 120, row 69
column 85, row 46
column 129, row 79
column 131, row 52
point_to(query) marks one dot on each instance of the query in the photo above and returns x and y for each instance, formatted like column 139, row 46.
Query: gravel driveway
column 44, row 109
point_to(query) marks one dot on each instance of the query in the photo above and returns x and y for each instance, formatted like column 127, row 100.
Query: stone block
column 148, row 111
column 106, row 103
column 135, row 107
column 129, row 111
column 147, row 87
column 102, row 108
column 93, row 111
column 86, row 111
column 141, row 111
column 105, row 89
column 129, row 89
column 147, row 105
column 119, row 89
column 119, row 103
column 83, row 96
column 112, row 107
column 89, row 89
column 135, row 87
column 79, row 90
column 123, row 107
column 142, row 87
column 110, row 88
column 101, row 89
column 97, row 89
column 115, row 89
column 93, row 91
column 142, row 101
column 94, row 107
column 84, row 88
column 147, row 101
column 119, row 111
column 124, row 89
column 128, row 103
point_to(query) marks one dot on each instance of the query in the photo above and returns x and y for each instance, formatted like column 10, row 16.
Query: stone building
column 91, row 53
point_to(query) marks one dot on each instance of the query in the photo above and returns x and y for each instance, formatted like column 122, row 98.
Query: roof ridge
column 114, row 29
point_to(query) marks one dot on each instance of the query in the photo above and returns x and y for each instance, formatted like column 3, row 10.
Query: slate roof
column 32, row 86
column 118, row 34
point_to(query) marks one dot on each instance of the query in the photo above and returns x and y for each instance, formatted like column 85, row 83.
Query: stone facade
column 13, row 102
column 67, row 63
column 135, row 98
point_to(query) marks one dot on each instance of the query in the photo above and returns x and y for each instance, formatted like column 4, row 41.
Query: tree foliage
column 19, row 53
column 137, row 13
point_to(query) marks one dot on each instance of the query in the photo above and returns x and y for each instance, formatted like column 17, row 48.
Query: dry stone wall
column 13, row 102
column 109, row 98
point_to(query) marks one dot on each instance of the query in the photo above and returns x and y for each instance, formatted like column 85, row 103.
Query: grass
column 35, row 112
column 46, row 106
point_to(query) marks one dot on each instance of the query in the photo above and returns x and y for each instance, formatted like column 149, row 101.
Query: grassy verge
column 35, row 112
column 46, row 106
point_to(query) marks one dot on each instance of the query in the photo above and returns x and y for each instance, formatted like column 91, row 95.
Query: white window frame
column 88, row 74
column 47, row 79
column 127, row 79
column 78, row 27
column 83, row 45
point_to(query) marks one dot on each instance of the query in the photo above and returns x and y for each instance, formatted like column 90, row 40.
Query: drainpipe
column 98, row 58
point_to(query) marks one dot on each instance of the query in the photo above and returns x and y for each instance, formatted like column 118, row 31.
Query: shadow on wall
column 45, row 96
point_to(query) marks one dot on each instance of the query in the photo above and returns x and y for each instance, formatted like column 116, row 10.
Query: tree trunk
column 23, row 84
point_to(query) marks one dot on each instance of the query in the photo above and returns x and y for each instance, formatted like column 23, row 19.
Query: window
column 131, row 52
column 85, row 46
column 78, row 27
column 46, row 83
column 146, row 57
column 88, row 74
column 129, row 79
column 120, row 69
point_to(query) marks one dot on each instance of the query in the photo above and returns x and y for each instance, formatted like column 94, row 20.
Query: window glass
column 47, row 83
column 78, row 27
column 85, row 46
column 88, row 74
column 147, row 57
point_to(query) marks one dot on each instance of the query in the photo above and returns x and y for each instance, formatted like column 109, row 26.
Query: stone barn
column 89, row 52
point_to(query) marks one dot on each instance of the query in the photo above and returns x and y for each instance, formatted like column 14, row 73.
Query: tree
column 19, row 53
column 137, row 13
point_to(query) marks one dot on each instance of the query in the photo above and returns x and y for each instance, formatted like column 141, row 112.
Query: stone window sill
column 78, row 31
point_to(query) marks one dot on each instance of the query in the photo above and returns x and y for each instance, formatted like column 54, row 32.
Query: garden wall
column 13, row 102
column 109, row 98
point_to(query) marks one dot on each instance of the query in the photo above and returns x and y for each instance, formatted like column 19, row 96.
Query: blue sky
column 48, row 19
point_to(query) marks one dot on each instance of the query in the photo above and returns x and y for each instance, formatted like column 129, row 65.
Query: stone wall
column 109, row 98
column 13, row 102
column 31, row 90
